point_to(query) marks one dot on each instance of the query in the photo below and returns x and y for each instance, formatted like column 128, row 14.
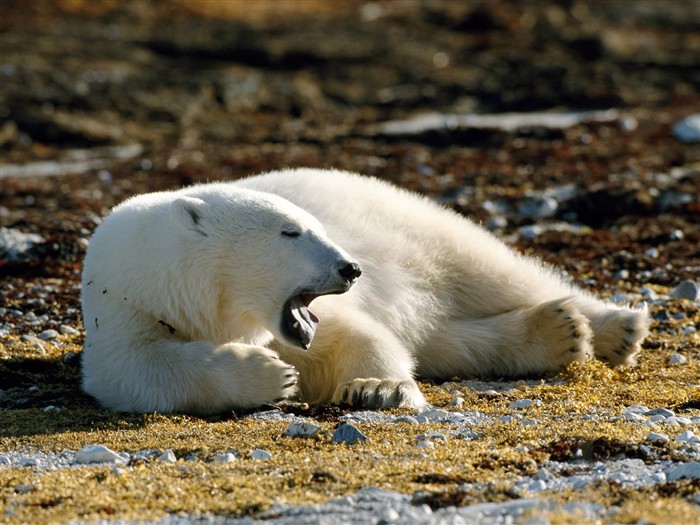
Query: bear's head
column 269, row 258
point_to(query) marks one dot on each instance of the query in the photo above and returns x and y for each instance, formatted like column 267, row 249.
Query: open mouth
column 298, row 322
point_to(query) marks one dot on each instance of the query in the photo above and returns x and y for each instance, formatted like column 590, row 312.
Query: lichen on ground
column 313, row 470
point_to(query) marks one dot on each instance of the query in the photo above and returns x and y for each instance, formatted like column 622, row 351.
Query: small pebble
column 97, row 454
column 676, row 235
column 665, row 412
column 686, row 290
column 677, row 359
column 544, row 474
column 688, row 129
column 167, row 457
column 432, row 436
column 525, row 403
column 68, row 330
column 259, row 453
column 648, row 293
column 687, row 437
column 537, row 485
column 48, row 335
column 302, row 429
column 655, row 437
column 347, row 433
column 432, row 416
column 226, row 457
column 457, row 402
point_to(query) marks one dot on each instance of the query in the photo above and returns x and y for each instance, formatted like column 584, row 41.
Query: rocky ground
column 558, row 125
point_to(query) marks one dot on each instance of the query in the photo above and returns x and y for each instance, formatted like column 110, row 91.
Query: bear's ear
column 188, row 213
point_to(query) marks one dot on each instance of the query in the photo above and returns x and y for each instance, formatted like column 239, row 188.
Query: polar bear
column 331, row 286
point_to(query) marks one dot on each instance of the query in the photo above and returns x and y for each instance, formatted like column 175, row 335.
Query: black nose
column 350, row 272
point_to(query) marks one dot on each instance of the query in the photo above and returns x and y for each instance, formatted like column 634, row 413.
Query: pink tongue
column 305, row 322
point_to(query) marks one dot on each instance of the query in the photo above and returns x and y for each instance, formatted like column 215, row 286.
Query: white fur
column 438, row 297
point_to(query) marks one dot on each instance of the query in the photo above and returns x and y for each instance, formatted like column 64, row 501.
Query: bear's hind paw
column 379, row 393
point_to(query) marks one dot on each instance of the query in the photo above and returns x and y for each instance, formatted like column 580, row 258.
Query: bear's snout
column 350, row 271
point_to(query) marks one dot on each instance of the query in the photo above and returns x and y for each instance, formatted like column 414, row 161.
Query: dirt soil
column 101, row 100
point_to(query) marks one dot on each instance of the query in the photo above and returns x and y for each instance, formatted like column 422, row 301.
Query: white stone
column 167, row 457
column 302, row 429
column 457, row 402
column 97, row 454
column 677, row 359
column 226, row 457
column 655, row 437
column 260, row 454
column 544, row 474
column 68, row 330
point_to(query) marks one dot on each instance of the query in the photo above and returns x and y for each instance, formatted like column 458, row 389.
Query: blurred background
column 558, row 124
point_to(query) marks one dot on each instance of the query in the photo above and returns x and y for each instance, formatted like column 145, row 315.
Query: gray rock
column 686, row 290
column 665, row 412
column 689, row 470
column 688, row 129
column 15, row 246
column 348, row 433
column 525, row 403
column 68, row 330
column 677, row 359
column 432, row 415
column 687, row 437
column 48, row 335
column 655, row 437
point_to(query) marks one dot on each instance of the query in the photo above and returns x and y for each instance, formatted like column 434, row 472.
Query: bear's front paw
column 271, row 379
column 379, row 393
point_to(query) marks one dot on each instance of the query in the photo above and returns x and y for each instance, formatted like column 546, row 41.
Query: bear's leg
column 356, row 360
column 541, row 338
column 617, row 331
column 178, row 376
